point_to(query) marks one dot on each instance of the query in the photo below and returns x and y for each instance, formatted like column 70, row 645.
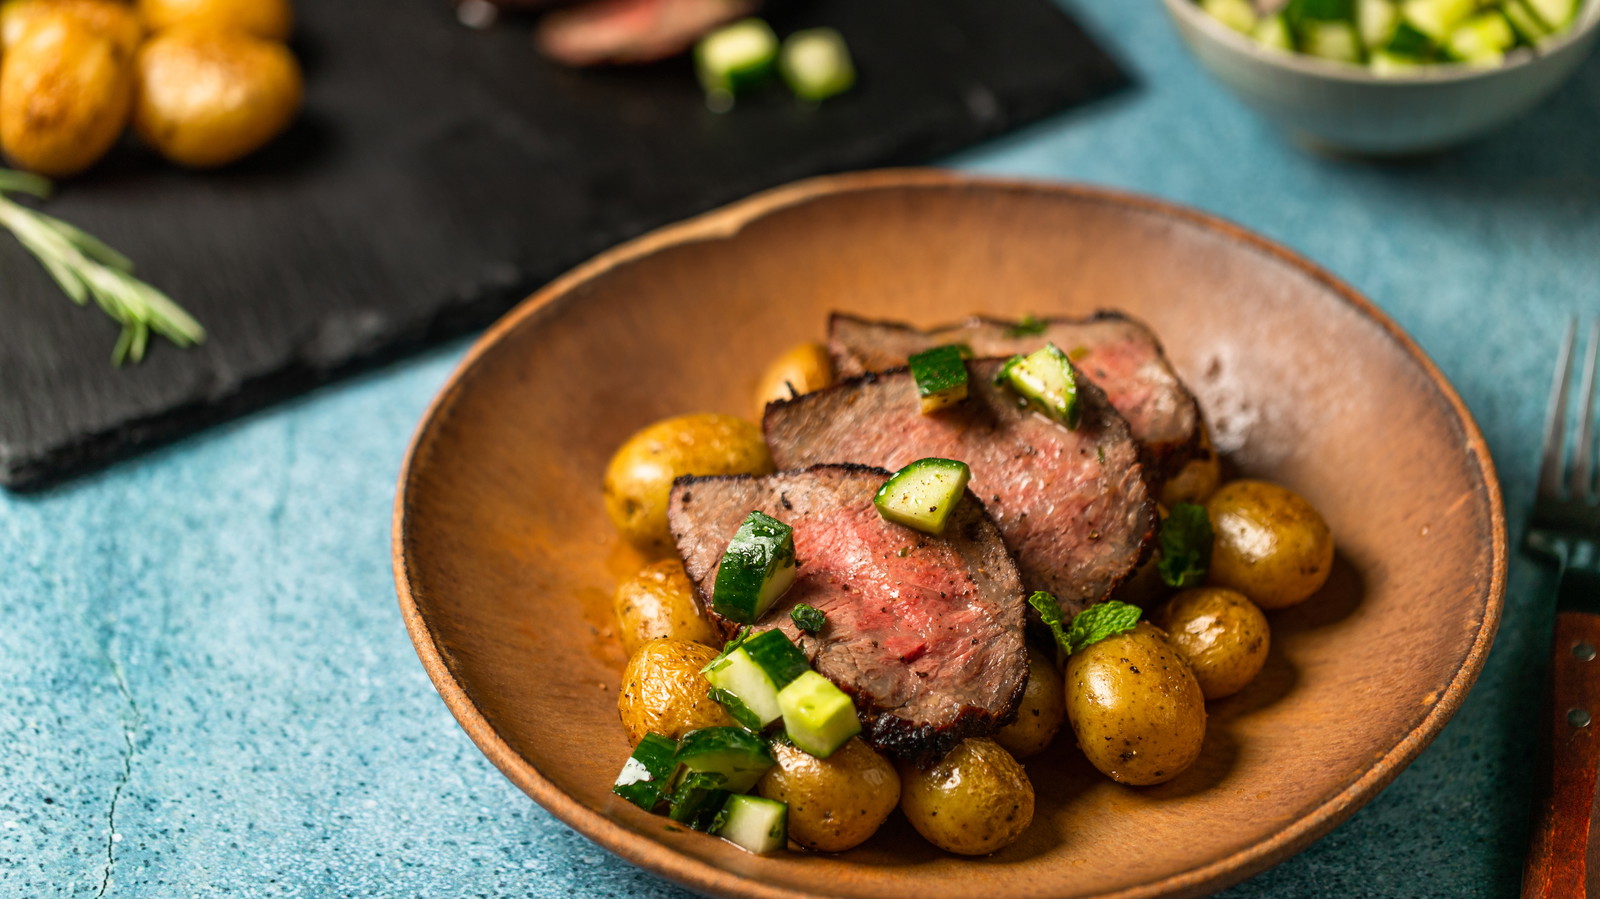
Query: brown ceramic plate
column 505, row 560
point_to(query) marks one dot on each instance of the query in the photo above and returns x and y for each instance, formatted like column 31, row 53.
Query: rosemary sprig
column 84, row 267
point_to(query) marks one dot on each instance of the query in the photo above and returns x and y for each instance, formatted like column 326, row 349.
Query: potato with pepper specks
column 1220, row 633
column 208, row 98
column 1136, row 707
column 974, row 801
column 270, row 19
column 664, row 692
column 639, row 479
column 1041, row 711
column 835, row 803
column 111, row 19
column 65, row 92
column 659, row 602
column 1271, row 545
column 802, row 369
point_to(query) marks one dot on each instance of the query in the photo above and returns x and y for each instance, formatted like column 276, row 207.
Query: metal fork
column 1564, row 529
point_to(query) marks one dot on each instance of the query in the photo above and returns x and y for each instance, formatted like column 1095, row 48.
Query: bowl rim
column 726, row 222
column 1587, row 20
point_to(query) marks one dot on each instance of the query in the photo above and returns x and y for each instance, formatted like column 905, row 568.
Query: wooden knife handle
column 1558, row 865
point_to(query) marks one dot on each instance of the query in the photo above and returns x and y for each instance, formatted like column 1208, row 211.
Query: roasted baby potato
column 974, row 801
column 1271, row 545
column 659, row 602
column 1197, row 479
column 111, row 19
column 269, row 19
column 1042, row 710
column 1221, row 635
column 663, row 691
column 804, row 368
column 835, row 803
column 1136, row 707
column 208, row 98
column 639, row 478
column 65, row 91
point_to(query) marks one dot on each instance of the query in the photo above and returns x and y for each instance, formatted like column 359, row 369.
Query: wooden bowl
column 505, row 561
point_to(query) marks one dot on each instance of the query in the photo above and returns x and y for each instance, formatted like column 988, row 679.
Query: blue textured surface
column 206, row 689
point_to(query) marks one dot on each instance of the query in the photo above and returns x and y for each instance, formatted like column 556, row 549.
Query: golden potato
column 111, row 19
column 1042, row 710
column 65, row 91
column 1271, row 545
column 270, row 19
column 639, row 478
column 664, row 692
column 974, row 801
column 1136, row 707
column 1221, row 635
column 835, row 803
column 1197, row 479
column 208, row 98
column 659, row 602
column 805, row 368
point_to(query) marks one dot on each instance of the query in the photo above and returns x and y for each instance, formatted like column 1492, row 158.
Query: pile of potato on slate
column 202, row 82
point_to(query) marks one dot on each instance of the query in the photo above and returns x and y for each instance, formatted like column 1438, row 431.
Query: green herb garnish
column 84, row 267
column 727, row 650
column 808, row 618
column 1089, row 626
column 1186, row 538
column 1029, row 326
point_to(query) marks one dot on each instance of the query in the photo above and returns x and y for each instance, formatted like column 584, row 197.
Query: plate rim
column 726, row 222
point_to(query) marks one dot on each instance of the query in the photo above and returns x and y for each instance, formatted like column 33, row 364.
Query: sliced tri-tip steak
column 924, row 632
column 1072, row 505
column 1122, row 356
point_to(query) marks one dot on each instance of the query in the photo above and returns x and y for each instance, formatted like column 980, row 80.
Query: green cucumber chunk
column 1409, row 43
column 1377, row 20
column 1528, row 26
column 1239, row 15
column 923, row 494
column 646, row 776
column 1336, row 41
column 733, row 59
column 818, row 716
column 1482, row 39
column 697, row 799
column 1273, row 31
column 1556, row 14
column 1302, row 12
column 1436, row 18
column 734, row 754
column 1389, row 64
column 941, row 376
column 816, row 64
column 753, row 823
column 1046, row 380
column 757, row 568
column 753, row 674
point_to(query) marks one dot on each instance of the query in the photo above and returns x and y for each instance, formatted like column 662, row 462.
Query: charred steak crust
column 1120, row 354
column 1072, row 505
column 925, row 633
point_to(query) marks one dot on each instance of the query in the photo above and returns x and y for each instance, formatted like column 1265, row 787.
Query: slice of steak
column 1122, row 356
column 1072, row 505
column 925, row 633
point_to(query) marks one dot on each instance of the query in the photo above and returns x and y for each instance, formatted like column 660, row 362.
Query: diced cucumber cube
column 756, row 824
column 1239, row 15
column 1336, row 41
column 1046, row 380
column 1377, row 20
column 1274, row 32
column 1392, row 65
column 1436, row 18
column 697, row 799
column 816, row 64
column 1555, row 14
column 733, row 59
column 1525, row 22
column 734, row 754
column 757, row 568
column 753, row 674
column 922, row 494
column 818, row 716
column 1482, row 39
column 646, row 776
column 941, row 377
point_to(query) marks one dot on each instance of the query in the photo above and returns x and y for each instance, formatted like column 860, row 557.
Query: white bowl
column 1349, row 109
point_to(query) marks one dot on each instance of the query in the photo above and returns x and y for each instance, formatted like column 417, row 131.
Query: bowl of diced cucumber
column 1389, row 77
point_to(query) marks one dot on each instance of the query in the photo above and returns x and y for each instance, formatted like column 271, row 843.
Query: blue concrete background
column 206, row 690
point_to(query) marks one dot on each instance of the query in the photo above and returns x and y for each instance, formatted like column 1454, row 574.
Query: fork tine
column 1585, row 449
column 1555, row 418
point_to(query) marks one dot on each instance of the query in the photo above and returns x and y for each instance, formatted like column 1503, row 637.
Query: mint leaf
column 1186, row 539
column 808, row 618
column 1101, row 621
column 1029, row 326
column 1050, row 613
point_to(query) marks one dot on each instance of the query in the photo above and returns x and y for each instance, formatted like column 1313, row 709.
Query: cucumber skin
column 757, row 556
column 1047, row 380
column 777, row 656
column 733, row 754
column 696, row 801
column 738, row 79
column 941, row 377
column 654, row 755
column 753, row 673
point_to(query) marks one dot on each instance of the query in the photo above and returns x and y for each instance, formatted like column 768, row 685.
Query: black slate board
column 439, row 174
